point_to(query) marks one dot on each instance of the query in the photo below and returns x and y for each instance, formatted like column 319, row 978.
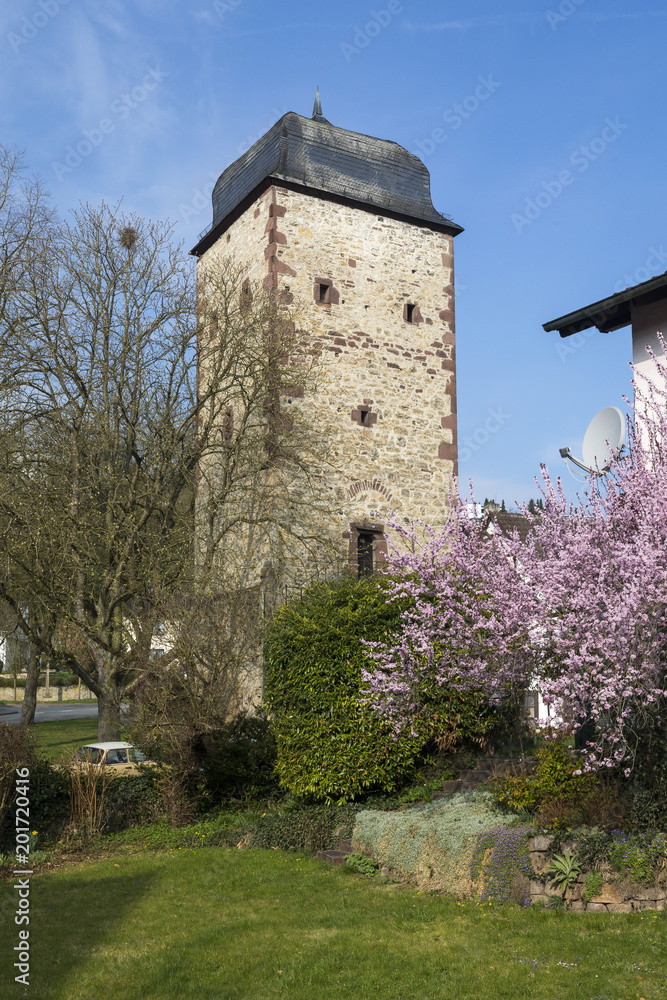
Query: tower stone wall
column 374, row 294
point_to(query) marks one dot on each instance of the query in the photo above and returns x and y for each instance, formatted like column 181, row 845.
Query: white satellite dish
column 603, row 442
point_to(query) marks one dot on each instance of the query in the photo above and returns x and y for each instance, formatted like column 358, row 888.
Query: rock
column 619, row 908
column 540, row 843
column 577, row 906
column 384, row 871
column 651, row 893
column 597, row 908
column 607, row 895
column 539, row 861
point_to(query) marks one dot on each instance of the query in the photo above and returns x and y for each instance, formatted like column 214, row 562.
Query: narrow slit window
column 246, row 296
column 409, row 312
column 365, row 554
column 364, row 416
column 323, row 293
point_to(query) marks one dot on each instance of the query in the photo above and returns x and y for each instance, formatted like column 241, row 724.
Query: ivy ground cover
column 247, row 925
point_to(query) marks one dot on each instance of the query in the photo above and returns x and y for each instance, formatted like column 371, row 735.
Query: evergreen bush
column 331, row 746
column 238, row 760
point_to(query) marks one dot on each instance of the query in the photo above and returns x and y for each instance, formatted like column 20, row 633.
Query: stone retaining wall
column 7, row 694
column 615, row 897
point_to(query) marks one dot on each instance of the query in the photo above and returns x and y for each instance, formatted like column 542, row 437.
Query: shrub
column 89, row 786
column 637, row 857
column 132, row 800
column 331, row 746
column 17, row 749
column 593, row 847
column 362, row 864
column 238, row 760
column 7, row 681
column 291, row 827
column 558, row 796
column 300, row 828
column 647, row 792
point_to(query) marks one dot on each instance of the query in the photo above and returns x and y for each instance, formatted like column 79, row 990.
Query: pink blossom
column 581, row 603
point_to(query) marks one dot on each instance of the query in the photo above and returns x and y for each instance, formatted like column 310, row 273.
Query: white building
column 644, row 307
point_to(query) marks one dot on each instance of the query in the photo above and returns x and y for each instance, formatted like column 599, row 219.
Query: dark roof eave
column 613, row 312
column 446, row 226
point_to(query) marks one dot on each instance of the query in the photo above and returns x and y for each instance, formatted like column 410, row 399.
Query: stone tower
column 343, row 225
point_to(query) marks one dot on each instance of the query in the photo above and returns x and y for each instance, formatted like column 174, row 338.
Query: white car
column 120, row 758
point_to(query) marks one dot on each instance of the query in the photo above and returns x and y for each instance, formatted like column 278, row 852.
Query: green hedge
column 59, row 679
column 331, row 746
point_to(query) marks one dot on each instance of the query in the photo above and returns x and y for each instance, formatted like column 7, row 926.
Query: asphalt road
column 9, row 712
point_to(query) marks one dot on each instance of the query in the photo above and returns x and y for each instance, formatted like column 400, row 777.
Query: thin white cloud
column 467, row 23
column 493, row 20
column 591, row 15
column 286, row 27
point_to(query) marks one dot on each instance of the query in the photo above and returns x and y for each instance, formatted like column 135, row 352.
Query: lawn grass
column 223, row 924
column 54, row 737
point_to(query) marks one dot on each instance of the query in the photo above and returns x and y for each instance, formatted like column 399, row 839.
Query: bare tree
column 146, row 452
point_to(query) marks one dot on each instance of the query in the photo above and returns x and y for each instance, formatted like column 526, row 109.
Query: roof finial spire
column 317, row 106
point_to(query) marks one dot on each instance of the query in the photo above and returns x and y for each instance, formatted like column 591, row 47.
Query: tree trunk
column 30, row 694
column 108, row 715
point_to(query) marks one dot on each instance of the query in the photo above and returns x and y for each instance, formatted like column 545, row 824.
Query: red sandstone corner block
column 447, row 452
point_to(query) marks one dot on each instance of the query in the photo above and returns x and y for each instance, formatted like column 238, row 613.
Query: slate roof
column 312, row 153
column 507, row 522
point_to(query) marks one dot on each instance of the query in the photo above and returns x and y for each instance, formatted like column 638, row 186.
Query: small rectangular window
column 323, row 293
column 409, row 311
column 364, row 416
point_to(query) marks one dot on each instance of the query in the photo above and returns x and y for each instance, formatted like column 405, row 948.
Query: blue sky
column 542, row 127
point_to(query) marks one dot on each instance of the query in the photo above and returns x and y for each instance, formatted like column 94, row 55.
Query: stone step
column 488, row 763
column 449, row 787
column 333, row 857
column 345, row 844
column 477, row 775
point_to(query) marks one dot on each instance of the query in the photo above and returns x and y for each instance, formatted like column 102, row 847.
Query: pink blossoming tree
column 580, row 604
